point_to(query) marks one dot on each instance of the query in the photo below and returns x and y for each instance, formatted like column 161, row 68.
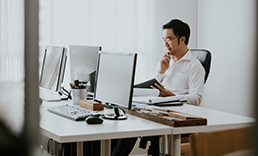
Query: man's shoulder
column 194, row 60
column 195, row 63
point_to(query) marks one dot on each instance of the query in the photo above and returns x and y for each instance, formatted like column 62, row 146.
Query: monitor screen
column 115, row 79
column 83, row 63
column 53, row 68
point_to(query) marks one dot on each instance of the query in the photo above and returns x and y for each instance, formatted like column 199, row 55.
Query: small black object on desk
column 94, row 119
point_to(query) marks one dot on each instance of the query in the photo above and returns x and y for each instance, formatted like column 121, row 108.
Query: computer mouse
column 93, row 120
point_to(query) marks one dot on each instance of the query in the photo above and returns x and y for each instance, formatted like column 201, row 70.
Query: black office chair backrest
column 204, row 56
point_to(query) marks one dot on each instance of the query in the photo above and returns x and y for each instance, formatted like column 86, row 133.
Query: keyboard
column 71, row 112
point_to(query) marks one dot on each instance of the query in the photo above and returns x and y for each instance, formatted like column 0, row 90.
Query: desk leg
column 55, row 150
column 177, row 145
column 105, row 148
column 174, row 145
column 163, row 144
column 79, row 149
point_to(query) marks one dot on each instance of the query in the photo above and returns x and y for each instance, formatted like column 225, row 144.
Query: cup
column 78, row 94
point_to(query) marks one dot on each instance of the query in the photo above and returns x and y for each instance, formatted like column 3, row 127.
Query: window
column 115, row 25
column 11, row 63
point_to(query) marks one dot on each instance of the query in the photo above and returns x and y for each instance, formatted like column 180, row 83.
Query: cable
column 65, row 92
column 49, row 145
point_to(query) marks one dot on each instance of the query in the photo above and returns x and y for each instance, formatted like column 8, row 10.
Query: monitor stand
column 115, row 116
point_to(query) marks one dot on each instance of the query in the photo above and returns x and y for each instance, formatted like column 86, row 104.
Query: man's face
column 170, row 41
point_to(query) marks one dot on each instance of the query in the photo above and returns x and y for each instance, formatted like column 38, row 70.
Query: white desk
column 216, row 120
column 63, row 130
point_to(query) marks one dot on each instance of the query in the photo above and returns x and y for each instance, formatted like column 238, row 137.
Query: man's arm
column 196, row 84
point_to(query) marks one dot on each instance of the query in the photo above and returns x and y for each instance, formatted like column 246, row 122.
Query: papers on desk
column 151, row 97
column 159, row 101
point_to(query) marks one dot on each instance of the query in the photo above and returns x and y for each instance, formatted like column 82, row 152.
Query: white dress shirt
column 184, row 77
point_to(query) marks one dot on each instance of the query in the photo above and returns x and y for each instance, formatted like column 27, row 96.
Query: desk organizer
column 169, row 117
column 91, row 105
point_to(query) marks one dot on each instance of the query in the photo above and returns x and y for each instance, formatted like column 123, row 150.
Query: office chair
column 225, row 142
column 204, row 56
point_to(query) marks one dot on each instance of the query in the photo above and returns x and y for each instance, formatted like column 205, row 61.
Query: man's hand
column 164, row 63
column 163, row 91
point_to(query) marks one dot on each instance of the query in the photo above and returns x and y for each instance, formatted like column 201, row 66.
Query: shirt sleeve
column 196, row 83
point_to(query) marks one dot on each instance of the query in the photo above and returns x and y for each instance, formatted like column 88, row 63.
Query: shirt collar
column 186, row 57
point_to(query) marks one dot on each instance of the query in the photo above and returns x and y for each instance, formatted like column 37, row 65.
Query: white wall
column 167, row 10
column 228, row 29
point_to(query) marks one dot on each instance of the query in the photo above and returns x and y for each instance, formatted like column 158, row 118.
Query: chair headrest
column 204, row 56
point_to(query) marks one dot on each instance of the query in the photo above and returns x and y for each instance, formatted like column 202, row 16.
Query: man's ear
column 182, row 40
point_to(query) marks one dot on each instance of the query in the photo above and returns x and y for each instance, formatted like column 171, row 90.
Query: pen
column 97, row 100
column 78, row 84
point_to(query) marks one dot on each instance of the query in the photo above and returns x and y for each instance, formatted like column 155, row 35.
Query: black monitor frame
column 61, row 67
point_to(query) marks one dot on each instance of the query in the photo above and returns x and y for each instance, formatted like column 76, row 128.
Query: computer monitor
column 83, row 63
column 52, row 72
column 114, row 81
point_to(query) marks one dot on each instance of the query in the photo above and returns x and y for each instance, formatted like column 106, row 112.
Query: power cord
column 65, row 92
column 49, row 145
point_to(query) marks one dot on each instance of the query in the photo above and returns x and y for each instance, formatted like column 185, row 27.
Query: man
column 178, row 70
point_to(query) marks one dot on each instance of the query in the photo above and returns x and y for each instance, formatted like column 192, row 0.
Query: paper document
column 145, row 92
column 155, row 99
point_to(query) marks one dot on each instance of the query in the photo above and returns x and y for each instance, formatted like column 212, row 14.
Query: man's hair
column 179, row 28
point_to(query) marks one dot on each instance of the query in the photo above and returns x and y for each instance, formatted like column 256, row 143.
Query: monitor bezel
column 61, row 70
column 110, row 103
